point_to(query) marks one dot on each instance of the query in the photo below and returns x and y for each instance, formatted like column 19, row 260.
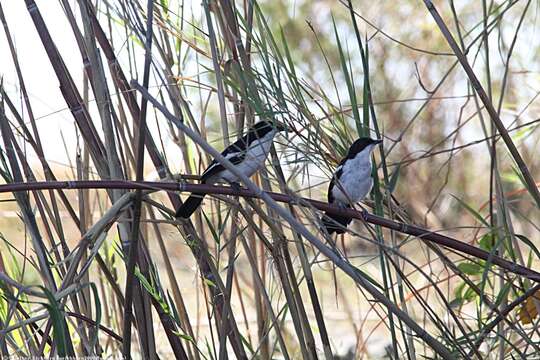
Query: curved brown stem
column 424, row 234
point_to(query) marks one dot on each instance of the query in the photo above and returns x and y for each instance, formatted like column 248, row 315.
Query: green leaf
column 209, row 282
column 503, row 293
column 61, row 336
column 469, row 294
column 348, row 80
column 97, row 303
column 152, row 290
column 470, row 268
column 368, row 278
column 529, row 244
column 165, row 5
column 173, row 307
column 365, row 99
column 463, row 294
column 183, row 336
column 458, row 291
column 393, row 179
column 487, row 242
column 472, row 211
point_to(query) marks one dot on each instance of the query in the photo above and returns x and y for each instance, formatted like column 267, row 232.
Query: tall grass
column 440, row 266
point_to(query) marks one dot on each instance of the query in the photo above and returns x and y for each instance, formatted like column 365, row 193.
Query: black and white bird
column 350, row 183
column 248, row 154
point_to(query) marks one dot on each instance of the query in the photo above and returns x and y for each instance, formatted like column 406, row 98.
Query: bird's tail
column 335, row 223
column 189, row 206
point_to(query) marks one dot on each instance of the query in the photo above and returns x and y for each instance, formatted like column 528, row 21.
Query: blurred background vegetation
column 237, row 281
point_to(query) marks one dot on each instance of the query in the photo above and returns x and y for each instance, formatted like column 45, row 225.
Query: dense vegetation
column 93, row 261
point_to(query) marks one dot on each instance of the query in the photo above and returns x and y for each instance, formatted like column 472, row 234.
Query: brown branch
column 413, row 230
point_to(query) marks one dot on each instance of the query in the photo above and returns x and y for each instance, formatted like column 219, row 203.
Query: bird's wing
column 329, row 194
column 337, row 175
column 215, row 167
column 235, row 153
column 237, row 146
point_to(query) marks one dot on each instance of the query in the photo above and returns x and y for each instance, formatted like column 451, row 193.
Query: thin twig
column 529, row 180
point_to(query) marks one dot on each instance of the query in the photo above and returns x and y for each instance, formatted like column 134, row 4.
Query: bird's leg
column 341, row 205
column 178, row 179
column 235, row 186
column 364, row 212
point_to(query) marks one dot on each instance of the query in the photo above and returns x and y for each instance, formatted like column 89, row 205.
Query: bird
column 248, row 154
column 351, row 183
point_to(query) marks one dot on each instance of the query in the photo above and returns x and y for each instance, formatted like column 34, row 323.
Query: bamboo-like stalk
column 306, row 268
column 289, row 288
column 133, row 247
column 220, row 67
column 24, row 204
column 69, row 90
column 162, row 169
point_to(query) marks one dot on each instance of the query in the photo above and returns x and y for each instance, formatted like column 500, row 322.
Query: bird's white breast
column 256, row 154
column 355, row 181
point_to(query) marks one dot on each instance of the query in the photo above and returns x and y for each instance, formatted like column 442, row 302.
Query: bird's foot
column 364, row 213
column 235, row 186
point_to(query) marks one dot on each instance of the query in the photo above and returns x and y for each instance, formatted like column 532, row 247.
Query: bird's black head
column 263, row 127
column 360, row 145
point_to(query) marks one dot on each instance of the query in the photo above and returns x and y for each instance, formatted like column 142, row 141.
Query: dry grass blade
column 529, row 180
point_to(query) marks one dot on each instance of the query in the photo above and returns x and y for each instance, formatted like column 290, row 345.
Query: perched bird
column 247, row 153
column 350, row 183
